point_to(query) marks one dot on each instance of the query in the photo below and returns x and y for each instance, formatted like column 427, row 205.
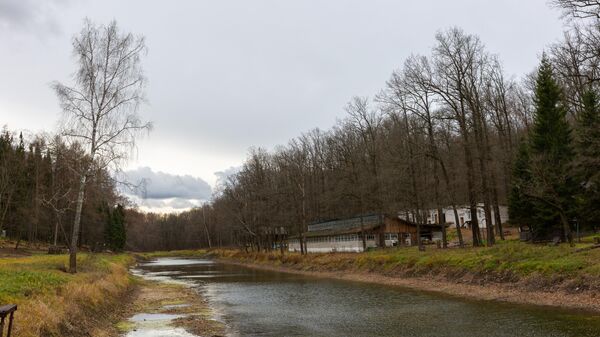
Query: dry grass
column 54, row 303
column 539, row 266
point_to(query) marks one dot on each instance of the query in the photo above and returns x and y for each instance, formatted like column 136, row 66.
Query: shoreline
column 587, row 302
column 182, row 308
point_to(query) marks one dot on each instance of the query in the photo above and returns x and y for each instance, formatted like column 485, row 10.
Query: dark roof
column 353, row 226
column 345, row 224
column 330, row 232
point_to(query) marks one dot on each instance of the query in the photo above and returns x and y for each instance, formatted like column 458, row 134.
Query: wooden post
column 7, row 310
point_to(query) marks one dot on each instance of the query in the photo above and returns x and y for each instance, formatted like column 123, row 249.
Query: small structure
column 346, row 235
column 7, row 311
column 262, row 238
column 464, row 215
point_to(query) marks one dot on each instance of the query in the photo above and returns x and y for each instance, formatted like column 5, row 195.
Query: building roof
column 353, row 226
column 345, row 224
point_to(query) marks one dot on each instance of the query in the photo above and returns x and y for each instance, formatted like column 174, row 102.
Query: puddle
column 156, row 325
column 175, row 262
column 167, row 332
column 176, row 306
column 154, row 317
column 164, row 278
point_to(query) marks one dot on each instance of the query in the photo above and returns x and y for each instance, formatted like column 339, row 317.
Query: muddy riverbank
column 167, row 309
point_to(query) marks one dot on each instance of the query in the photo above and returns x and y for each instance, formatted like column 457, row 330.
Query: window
column 391, row 236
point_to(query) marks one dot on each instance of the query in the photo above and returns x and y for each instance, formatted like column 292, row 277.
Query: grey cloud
column 226, row 173
column 38, row 16
column 164, row 205
column 160, row 185
column 178, row 203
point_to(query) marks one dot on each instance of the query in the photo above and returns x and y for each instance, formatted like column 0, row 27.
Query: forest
column 447, row 129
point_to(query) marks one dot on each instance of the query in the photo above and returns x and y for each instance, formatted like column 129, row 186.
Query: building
column 345, row 235
column 464, row 215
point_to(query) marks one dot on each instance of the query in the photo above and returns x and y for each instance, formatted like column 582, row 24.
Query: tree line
column 38, row 184
column 447, row 129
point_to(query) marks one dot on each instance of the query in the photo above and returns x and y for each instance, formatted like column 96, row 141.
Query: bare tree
column 579, row 8
column 100, row 109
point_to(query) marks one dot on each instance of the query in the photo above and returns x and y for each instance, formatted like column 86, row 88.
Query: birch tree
column 100, row 108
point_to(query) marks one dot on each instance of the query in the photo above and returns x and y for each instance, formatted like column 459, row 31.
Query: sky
column 228, row 75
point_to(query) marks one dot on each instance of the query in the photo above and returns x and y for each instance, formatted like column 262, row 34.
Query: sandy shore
column 587, row 301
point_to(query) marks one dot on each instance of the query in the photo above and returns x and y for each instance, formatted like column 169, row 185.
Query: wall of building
column 339, row 243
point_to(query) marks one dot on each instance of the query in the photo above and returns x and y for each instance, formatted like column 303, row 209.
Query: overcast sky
column 228, row 75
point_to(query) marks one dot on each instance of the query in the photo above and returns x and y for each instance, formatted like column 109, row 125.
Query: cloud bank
column 164, row 192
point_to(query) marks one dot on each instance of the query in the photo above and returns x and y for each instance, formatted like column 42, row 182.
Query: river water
column 265, row 303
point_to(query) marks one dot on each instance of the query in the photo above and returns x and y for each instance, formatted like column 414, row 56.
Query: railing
column 7, row 310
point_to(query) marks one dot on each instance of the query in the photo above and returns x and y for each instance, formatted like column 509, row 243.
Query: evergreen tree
column 587, row 163
column 552, row 185
column 120, row 235
column 519, row 203
column 115, row 235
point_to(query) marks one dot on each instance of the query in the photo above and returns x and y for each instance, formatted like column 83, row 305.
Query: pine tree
column 119, row 234
column 552, row 185
column 587, row 162
column 115, row 235
column 519, row 203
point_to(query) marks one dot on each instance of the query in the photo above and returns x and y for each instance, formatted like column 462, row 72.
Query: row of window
column 345, row 238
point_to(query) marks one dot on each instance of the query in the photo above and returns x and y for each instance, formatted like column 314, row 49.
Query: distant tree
column 7, row 181
column 587, row 162
column 100, row 110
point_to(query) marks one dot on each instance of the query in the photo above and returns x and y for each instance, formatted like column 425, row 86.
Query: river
column 265, row 303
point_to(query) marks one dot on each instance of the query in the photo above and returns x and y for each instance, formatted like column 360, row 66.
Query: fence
column 7, row 310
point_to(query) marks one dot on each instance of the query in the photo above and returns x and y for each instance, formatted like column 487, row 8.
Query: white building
column 344, row 235
column 464, row 215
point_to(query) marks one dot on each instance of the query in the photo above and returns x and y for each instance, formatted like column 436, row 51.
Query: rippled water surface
column 264, row 303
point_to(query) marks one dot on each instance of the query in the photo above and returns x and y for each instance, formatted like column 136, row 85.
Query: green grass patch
column 18, row 284
column 507, row 258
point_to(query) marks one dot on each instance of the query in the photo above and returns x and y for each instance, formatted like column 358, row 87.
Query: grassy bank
column 539, row 267
column 535, row 267
column 55, row 303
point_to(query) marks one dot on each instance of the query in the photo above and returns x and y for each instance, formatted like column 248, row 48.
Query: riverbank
column 97, row 301
column 168, row 308
column 563, row 276
column 52, row 302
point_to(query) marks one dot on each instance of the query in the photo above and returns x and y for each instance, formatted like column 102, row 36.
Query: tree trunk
column 461, row 242
column 452, row 192
column 566, row 228
column 76, row 225
column 497, row 217
column 206, row 229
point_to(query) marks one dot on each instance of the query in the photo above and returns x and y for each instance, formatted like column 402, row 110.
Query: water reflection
column 265, row 303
